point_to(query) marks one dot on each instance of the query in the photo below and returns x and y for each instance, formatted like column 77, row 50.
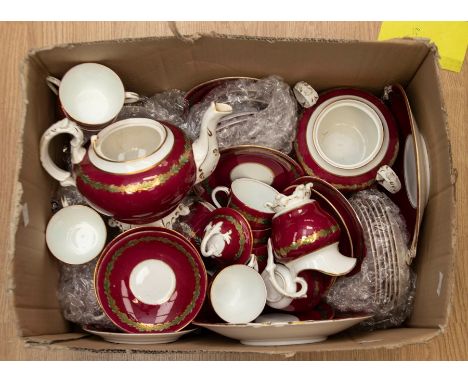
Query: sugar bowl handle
column 388, row 179
column 214, row 241
column 65, row 126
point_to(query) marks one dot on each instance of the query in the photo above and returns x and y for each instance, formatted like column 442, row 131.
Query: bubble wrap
column 168, row 106
column 67, row 196
column 265, row 113
column 385, row 286
column 76, row 296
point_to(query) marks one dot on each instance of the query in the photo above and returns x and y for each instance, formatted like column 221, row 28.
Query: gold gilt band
column 306, row 240
column 146, row 185
column 144, row 327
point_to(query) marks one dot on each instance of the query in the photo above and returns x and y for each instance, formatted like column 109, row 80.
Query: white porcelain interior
column 348, row 171
column 348, row 134
column 327, row 260
column 254, row 194
column 91, row 93
column 139, row 338
column 76, row 234
column 238, row 294
column 130, row 145
column 253, row 170
column 152, row 282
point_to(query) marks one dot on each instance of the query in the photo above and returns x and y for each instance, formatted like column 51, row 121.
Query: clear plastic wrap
column 77, row 298
column 67, row 196
column 265, row 113
column 168, row 106
column 385, row 285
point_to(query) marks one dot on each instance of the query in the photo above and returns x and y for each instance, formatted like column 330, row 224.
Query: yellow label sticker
column 450, row 37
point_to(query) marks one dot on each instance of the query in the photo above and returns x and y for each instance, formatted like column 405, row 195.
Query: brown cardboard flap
column 54, row 338
column 151, row 65
column 435, row 256
column 213, row 343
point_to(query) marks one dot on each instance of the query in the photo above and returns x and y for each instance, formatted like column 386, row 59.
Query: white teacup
column 238, row 294
column 91, row 94
column 252, row 199
column 76, row 234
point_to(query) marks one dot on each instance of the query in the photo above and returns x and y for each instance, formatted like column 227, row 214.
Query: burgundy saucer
column 198, row 92
column 333, row 201
column 345, row 183
column 248, row 161
column 160, row 267
column 399, row 105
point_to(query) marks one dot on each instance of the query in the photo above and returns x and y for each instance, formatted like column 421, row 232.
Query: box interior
column 151, row 65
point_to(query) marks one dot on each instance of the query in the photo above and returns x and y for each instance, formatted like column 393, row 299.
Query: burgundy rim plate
column 399, row 105
column 175, row 257
column 352, row 242
column 351, row 183
column 197, row 93
column 248, row 161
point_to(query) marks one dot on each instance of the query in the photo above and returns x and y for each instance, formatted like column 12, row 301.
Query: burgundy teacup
column 252, row 199
column 227, row 238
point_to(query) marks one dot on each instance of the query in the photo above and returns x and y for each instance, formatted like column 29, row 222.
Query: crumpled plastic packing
column 169, row 106
column 77, row 298
column 385, row 286
column 265, row 113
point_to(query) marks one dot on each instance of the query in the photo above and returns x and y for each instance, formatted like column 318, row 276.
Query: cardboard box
column 155, row 64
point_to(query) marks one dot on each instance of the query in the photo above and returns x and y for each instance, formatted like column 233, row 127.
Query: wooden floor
column 17, row 38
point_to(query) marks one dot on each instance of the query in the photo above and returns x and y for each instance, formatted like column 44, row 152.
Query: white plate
column 283, row 333
column 139, row 338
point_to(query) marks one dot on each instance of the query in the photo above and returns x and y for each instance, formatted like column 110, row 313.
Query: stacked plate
column 387, row 244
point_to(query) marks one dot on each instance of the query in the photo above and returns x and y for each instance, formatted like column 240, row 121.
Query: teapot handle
column 65, row 126
column 270, row 269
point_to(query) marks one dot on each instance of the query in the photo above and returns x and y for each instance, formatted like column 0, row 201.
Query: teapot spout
column 205, row 148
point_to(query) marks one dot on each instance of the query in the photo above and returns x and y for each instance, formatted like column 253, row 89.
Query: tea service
column 259, row 236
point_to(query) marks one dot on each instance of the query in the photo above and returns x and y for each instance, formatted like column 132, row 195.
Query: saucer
column 139, row 338
column 283, row 333
column 76, row 234
column 350, row 179
column 411, row 166
column 150, row 280
column 198, row 92
column 352, row 244
column 267, row 165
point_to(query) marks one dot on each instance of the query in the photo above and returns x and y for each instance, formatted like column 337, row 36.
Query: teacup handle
column 253, row 262
column 53, row 84
column 131, row 97
column 270, row 269
column 226, row 190
column 210, row 232
column 388, row 179
column 65, row 126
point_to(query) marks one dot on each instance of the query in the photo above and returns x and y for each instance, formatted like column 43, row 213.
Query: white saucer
column 283, row 333
column 139, row 338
